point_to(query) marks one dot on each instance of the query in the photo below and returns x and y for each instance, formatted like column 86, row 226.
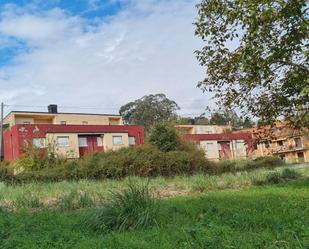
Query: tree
column 165, row 138
column 256, row 56
column 149, row 110
column 226, row 117
column 248, row 123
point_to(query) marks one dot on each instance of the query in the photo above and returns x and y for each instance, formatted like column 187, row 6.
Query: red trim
column 14, row 136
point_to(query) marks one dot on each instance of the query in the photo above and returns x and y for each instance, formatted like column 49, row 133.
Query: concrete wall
column 108, row 141
column 211, row 149
column 73, row 119
column 287, row 150
column 72, row 151
column 203, row 129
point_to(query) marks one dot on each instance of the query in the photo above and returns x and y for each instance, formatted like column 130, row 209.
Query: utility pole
column 1, row 131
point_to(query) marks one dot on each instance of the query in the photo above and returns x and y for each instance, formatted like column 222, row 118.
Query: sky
column 97, row 55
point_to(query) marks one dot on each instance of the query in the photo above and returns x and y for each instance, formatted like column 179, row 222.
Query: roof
column 65, row 113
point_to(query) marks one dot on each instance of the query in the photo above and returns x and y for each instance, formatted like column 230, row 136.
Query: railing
column 288, row 148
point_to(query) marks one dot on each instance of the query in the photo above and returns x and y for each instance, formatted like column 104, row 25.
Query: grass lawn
column 271, row 216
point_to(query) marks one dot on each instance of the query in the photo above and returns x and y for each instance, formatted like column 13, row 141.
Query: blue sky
column 99, row 53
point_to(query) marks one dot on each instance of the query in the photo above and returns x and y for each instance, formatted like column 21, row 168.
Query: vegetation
column 73, row 195
column 144, row 161
column 221, row 219
column 256, row 56
column 133, row 208
column 149, row 110
column 165, row 138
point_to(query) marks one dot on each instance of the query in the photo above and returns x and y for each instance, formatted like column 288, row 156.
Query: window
column 209, row 146
column 280, row 143
column 63, row 141
column 267, row 145
column 239, row 145
column 85, row 122
column 117, row 140
column 27, row 123
column 38, row 142
column 82, row 142
column 63, row 122
column 255, row 146
column 132, row 141
column 297, row 142
column 100, row 141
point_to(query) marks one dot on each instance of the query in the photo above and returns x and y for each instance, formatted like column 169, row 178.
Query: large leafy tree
column 149, row 110
column 256, row 56
column 226, row 117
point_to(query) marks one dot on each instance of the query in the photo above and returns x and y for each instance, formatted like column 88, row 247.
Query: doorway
column 301, row 157
column 89, row 144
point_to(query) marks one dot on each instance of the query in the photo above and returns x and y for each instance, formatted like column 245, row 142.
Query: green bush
column 226, row 166
column 144, row 161
column 269, row 162
column 133, row 208
column 290, row 174
column 165, row 138
column 273, row 177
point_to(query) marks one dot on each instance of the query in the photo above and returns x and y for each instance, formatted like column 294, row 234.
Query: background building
column 70, row 135
column 218, row 142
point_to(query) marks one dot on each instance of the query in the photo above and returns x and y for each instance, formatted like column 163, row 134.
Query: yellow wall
column 108, row 141
column 288, row 149
column 72, row 151
column 203, row 129
column 73, row 119
column 213, row 153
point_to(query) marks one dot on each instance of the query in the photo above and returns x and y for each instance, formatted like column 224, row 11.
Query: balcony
column 288, row 148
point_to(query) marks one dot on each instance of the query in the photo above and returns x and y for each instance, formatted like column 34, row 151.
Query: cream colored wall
column 9, row 120
column 204, row 129
column 71, row 151
column 21, row 120
column 108, row 141
column 210, row 154
column 91, row 119
column 239, row 152
column 290, row 156
column 75, row 119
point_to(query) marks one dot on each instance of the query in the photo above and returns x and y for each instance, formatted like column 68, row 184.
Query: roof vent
column 52, row 109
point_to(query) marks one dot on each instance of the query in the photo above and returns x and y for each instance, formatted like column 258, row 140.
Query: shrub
column 290, row 174
column 165, row 138
column 226, row 166
column 273, row 177
column 265, row 162
column 133, row 208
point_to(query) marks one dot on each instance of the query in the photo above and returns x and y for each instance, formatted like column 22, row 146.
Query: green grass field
column 201, row 212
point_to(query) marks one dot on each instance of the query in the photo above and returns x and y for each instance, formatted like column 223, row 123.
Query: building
column 218, row 142
column 71, row 135
column 281, row 140
column 204, row 129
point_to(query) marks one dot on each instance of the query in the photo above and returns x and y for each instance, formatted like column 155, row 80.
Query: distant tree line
column 157, row 108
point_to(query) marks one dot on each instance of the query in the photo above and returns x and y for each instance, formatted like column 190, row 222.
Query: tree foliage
column 165, row 138
column 226, row 117
column 256, row 56
column 149, row 110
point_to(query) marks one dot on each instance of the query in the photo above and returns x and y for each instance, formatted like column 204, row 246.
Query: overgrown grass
column 133, row 208
column 73, row 195
column 270, row 216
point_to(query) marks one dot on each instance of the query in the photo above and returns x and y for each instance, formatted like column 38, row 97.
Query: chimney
column 52, row 109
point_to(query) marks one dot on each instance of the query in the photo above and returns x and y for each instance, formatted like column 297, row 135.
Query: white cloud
column 146, row 48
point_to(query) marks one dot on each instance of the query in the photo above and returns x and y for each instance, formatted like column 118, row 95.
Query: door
column 301, row 157
column 90, row 144
column 224, row 150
